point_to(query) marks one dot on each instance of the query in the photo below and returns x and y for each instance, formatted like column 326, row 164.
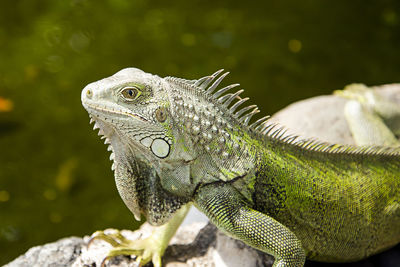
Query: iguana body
column 178, row 142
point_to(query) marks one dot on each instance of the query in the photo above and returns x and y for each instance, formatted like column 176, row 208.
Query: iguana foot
column 145, row 250
column 356, row 91
column 365, row 112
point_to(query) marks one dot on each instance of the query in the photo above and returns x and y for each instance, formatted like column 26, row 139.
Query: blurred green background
column 55, row 177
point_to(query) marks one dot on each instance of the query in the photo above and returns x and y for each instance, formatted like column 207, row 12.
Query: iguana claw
column 145, row 250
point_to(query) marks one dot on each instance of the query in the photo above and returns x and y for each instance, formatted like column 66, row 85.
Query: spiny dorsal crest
column 207, row 86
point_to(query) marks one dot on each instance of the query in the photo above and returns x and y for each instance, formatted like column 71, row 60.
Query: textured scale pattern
column 235, row 218
column 261, row 126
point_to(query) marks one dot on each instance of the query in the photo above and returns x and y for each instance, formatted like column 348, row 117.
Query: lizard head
column 131, row 108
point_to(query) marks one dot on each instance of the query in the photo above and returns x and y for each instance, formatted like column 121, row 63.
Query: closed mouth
column 105, row 109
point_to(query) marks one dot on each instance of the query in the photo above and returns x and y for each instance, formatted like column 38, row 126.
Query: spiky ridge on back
column 207, row 85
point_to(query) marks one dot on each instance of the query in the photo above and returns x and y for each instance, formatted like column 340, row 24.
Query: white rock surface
column 194, row 245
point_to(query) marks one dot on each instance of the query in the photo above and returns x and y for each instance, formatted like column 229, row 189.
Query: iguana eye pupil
column 161, row 114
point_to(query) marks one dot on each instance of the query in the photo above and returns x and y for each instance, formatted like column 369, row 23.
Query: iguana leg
column 151, row 248
column 372, row 119
column 227, row 209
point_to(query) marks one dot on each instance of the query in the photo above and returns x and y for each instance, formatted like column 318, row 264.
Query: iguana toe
column 355, row 91
column 145, row 250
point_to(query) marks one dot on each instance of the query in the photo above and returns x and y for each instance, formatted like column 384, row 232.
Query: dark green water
column 55, row 177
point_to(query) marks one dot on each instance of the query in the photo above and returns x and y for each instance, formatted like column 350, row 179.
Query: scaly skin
column 177, row 142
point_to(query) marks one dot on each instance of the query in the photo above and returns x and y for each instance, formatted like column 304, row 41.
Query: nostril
column 89, row 93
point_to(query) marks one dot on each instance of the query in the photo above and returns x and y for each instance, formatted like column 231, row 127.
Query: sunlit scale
column 160, row 148
column 146, row 141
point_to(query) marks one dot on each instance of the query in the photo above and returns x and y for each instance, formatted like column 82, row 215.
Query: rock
column 196, row 244
column 60, row 253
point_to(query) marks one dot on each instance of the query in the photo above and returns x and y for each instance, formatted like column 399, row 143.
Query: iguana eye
column 131, row 93
column 161, row 114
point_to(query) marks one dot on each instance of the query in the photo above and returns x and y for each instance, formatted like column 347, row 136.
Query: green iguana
column 178, row 142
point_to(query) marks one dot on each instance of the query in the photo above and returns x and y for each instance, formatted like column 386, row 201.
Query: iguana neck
column 137, row 181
